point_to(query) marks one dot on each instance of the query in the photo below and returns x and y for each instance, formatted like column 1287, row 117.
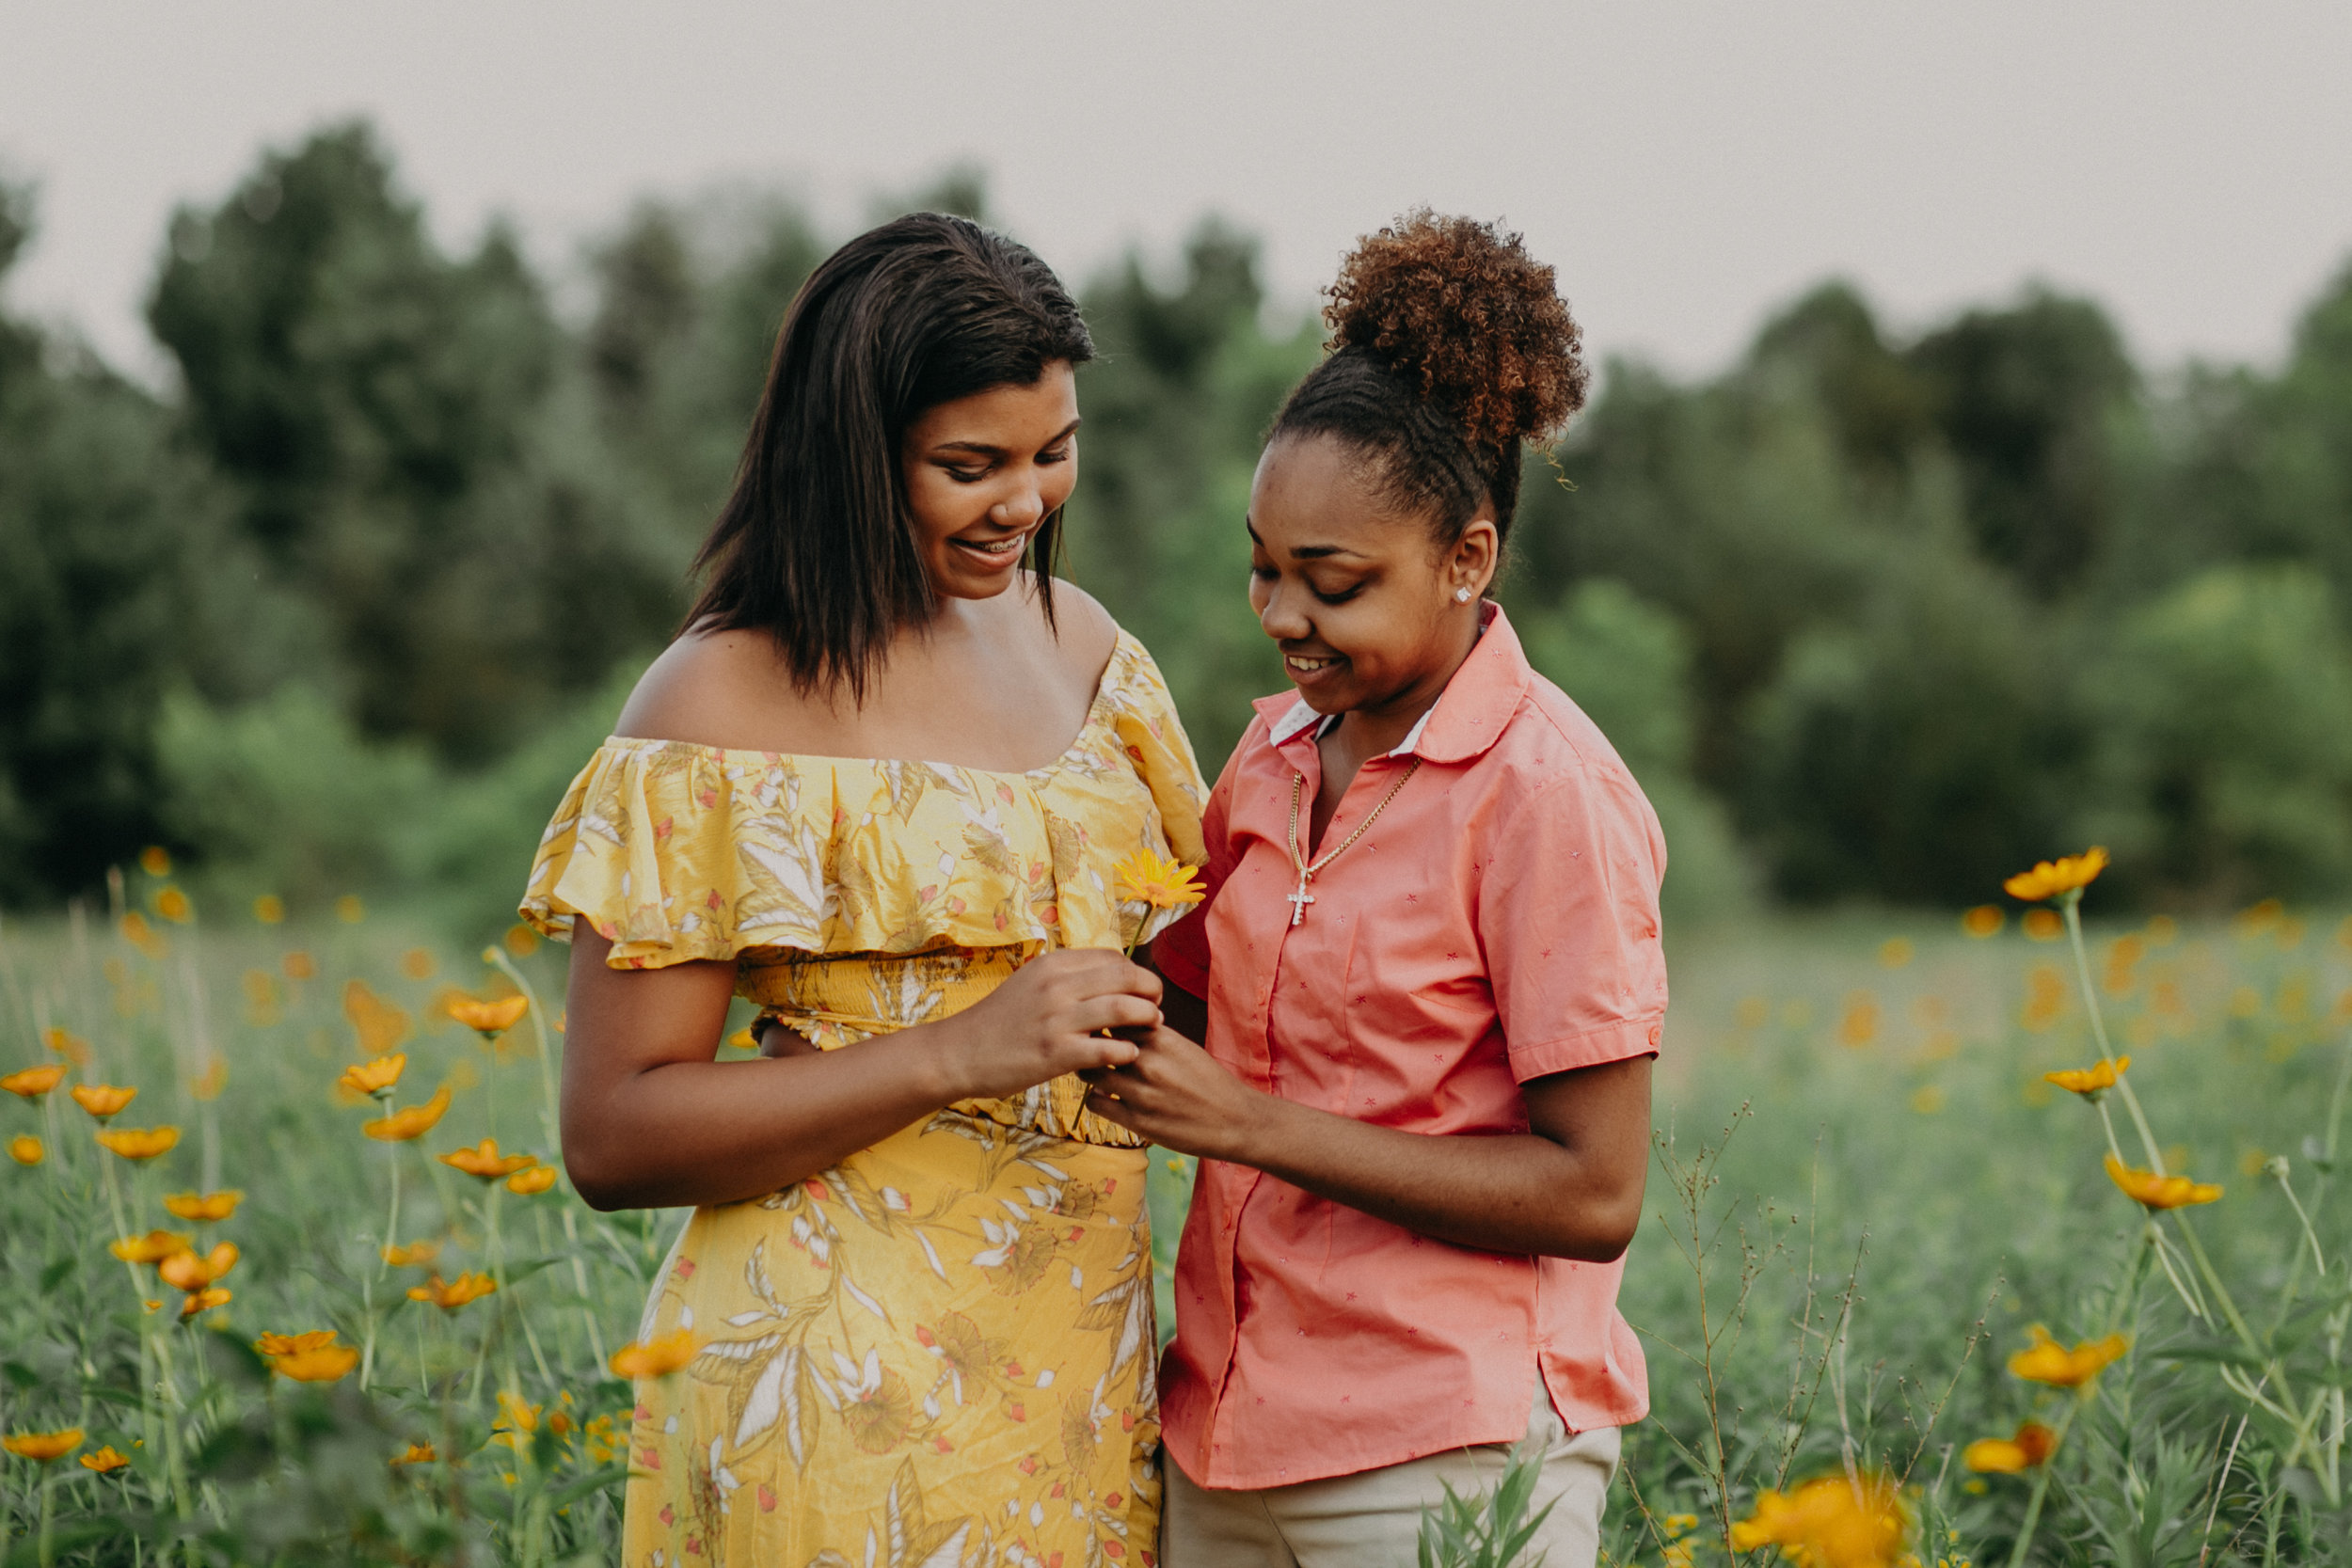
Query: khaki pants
column 1372, row 1519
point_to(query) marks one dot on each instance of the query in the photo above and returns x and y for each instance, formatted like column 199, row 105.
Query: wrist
column 1256, row 1135
column 941, row 1059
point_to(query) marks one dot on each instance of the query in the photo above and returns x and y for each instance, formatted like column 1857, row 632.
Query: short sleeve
column 1180, row 953
column 1567, row 915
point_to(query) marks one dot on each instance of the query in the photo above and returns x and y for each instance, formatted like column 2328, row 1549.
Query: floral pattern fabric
column 940, row 1351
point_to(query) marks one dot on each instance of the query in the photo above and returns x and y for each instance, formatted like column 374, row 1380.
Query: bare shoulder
column 1084, row 633
column 728, row 690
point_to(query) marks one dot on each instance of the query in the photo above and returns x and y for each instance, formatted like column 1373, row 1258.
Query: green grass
column 1865, row 1193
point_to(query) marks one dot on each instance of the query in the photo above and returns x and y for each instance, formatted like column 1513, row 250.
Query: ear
column 1474, row 557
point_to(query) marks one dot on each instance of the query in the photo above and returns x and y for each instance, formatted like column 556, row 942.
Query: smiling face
column 1359, row 593
column 982, row 472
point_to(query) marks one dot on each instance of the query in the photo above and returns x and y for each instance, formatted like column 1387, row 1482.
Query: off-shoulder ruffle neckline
column 1098, row 713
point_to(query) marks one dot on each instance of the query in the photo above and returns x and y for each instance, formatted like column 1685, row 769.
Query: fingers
column 1098, row 971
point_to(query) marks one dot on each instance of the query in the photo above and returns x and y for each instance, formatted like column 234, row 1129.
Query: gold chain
column 1301, row 898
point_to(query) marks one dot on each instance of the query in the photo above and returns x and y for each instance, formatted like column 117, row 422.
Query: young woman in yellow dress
column 879, row 786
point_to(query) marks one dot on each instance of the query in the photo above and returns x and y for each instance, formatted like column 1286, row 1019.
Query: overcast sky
column 1687, row 165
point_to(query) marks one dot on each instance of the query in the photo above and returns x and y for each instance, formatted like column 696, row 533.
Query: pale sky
column 1687, row 166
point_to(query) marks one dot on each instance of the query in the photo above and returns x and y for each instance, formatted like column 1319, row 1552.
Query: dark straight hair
column 817, row 546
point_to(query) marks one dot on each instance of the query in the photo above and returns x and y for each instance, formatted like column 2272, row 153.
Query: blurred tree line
column 1870, row 616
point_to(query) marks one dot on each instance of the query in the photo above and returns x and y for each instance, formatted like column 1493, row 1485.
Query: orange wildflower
column 33, row 1081
column 275, row 1345
column 349, row 909
column 204, row 1208
column 454, row 1293
column 316, row 1363
column 139, row 934
column 140, row 1142
column 414, row 1122
column 72, row 1046
column 532, row 1182
column 1985, row 920
column 299, row 965
column 105, row 1461
column 25, row 1149
column 417, row 963
column 2159, row 1192
column 269, row 909
column 2007, row 1456
column 189, row 1272
column 381, row 1025
column 155, row 861
column 412, row 1255
column 377, row 1077
column 417, row 1453
column 204, row 1300
column 656, row 1357
column 2047, row 1361
column 484, row 1162
column 489, row 1019
column 2093, row 1081
column 2067, row 874
column 153, row 1247
column 173, row 906
column 102, row 1100
column 1830, row 1523
column 214, row 1079
column 43, row 1447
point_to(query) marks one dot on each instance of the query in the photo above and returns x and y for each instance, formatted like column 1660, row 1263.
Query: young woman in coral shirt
column 1429, row 972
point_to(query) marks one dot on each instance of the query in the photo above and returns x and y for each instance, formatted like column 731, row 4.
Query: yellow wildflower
column 1985, row 920
column 415, row 1253
column 656, row 1357
column 485, row 1163
column 1830, row 1523
column 299, row 965
column 155, row 861
column 2159, row 1192
column 349, row 909
column 2067, row 874
column 316, row 1363
column 1163, row 885
column 489, row 1019
column 139, row 934
column 204, row 1208
column 2007, row 1456
column 2093, row 1081
column 214, row 1079
column 105, row 1461
column 417, row 963
column 414, row 1122
column 521, row 940
column 153, row 1247
column 103, row 1101
column 25, row 1149
column 532, row 1182
column 140, row 1142
column 2047, row 1361
column 33, row 1081
column 173, row 906
column 377, row 1077
column 416, row 1453
column 454, row 1293
column 269, row 909
column 43, row 1447
column 72, row 1046
column 191, row 1272
column 2042, row 924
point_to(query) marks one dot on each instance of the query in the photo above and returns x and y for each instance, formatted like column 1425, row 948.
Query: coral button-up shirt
column 1499, row 922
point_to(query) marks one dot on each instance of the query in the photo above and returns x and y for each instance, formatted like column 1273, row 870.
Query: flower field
column 294, row 1274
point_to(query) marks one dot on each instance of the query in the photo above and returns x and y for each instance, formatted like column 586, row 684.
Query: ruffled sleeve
column 1144, row 718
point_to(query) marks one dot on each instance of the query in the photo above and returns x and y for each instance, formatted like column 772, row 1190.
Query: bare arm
column 652, row 1118
column 1571, row 1187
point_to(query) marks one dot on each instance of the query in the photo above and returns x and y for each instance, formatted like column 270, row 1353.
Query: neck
column 1380, row 727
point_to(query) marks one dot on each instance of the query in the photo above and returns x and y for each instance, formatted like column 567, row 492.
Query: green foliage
column 1489, row 1531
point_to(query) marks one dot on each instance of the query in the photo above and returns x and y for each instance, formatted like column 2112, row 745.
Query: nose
column 1283, row 618
column 1020, row 509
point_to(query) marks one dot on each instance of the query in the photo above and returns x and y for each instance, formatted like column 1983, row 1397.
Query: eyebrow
column 1307, row 552
column 985, row 449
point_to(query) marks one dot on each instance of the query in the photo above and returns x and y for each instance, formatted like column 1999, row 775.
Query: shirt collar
column 1469, row 715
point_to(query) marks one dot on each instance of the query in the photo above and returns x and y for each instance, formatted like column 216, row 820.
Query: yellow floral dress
column 940, row 1351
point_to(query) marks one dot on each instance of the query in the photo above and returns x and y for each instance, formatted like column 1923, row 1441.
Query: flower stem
column 2071, row 904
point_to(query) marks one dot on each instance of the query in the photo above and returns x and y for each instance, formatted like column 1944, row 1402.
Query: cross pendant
column 1299, row 900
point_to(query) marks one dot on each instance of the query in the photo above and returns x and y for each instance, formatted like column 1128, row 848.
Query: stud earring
column 1461, row 596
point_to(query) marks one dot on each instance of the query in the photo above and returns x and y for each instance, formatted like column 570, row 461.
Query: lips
column 1304, row 669
column 992, row 553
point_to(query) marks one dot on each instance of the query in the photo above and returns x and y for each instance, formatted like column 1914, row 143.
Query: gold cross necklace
column 1307, row 870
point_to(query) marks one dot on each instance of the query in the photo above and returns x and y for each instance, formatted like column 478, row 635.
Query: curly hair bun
column 1460, row 307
